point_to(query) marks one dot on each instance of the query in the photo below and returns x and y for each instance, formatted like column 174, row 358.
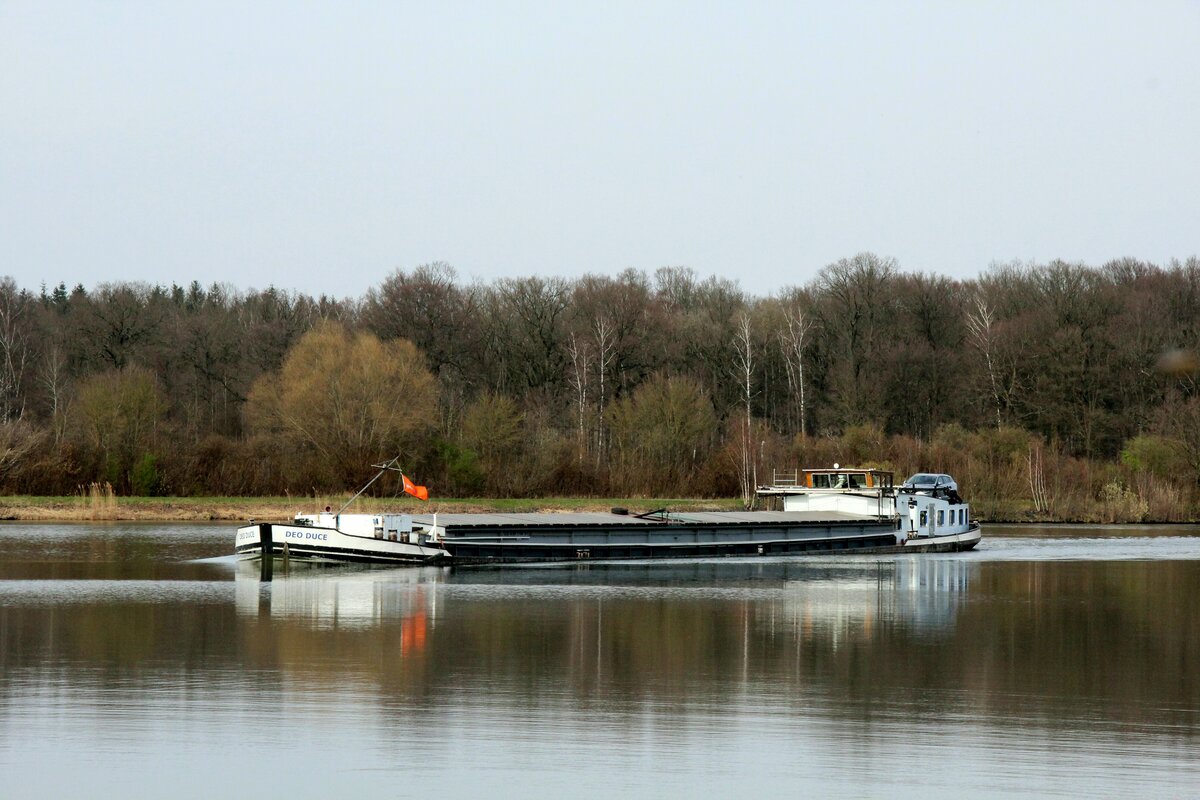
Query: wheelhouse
column 847, row 479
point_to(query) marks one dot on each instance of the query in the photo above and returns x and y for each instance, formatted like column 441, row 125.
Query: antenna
column 384, row 467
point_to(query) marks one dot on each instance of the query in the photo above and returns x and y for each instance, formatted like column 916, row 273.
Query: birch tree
column 743, row 362
column 52, row 374
column 577, row 351
column 793, row 340
column 602, row 332
column 980, row 321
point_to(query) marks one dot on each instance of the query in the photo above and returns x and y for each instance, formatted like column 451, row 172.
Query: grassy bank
column 234, row 509
column 107, row 507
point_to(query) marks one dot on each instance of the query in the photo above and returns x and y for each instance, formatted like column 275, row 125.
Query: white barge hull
column 945, row 543
column 313, row 543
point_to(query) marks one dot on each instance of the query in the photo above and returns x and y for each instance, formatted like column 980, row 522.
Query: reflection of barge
column 815, row 591
column 821, row 511
column 351, row 598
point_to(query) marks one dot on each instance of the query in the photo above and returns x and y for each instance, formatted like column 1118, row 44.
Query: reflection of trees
column 1049, row 641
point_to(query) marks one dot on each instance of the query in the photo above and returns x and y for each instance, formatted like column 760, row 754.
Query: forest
column 1052, row 391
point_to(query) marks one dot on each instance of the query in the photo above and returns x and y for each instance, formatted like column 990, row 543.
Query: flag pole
column 384, row 467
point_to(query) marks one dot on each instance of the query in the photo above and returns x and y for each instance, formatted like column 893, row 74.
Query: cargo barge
column 838, row 511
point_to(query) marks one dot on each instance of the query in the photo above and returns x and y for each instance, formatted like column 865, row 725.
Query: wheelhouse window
column 839, row 480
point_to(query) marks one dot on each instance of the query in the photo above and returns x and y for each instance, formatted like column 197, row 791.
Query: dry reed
column 99, row 500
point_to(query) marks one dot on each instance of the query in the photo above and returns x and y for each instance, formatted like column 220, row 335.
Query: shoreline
column 238, row 509
column 26, row 508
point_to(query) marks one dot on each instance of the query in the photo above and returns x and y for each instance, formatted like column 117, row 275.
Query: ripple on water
column 1084, row 548
column 57, row 592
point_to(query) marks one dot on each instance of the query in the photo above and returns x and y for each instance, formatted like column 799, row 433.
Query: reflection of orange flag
column 419, row 492
column 412, row 634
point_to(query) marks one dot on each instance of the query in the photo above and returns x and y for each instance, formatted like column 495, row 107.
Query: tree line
column 1050, row 388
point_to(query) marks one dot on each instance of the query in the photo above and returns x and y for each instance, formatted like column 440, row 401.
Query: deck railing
column 783, row 477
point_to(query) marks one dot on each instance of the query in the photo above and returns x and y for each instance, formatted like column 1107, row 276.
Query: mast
column 384, row 467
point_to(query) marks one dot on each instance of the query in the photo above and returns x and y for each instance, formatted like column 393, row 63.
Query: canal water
column 141, row 660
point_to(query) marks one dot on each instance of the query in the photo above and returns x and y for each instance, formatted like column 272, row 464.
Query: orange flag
column 419, row 492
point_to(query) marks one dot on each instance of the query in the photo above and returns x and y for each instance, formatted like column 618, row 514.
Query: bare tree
column 661, row 433
column 18, row 440
column 602, row 331
column 578, row 352
column 210, row 353
column 1042, row 500
column 120, row 415
column 52, row 374
column 676, row 287
column 348, row 397
column 120, row 319
column 14, row 348
column 857, row 309
column 525, row 317
column 793, row 340
column 980, row 320
column 429, row 308
column 743, row 361
column 492, row 427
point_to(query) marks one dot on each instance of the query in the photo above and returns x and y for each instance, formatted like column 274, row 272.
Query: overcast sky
column 321, row 146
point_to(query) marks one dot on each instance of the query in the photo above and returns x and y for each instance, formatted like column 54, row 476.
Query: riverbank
column 235, row 509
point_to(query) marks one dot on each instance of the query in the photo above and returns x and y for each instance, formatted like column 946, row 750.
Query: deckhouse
column 925, row 505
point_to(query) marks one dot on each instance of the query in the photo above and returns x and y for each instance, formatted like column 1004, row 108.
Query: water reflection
column 918, row 592
column 1078, row 675
column 330, row 597
column 1001, row 638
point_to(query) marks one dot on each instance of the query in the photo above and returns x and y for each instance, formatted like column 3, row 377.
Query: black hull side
column 491, row 553
column 875, row 543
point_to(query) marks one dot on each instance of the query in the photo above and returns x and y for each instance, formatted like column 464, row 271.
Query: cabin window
column 835, row 480
column 941, row 518
column 924, row 518
column 962, row 516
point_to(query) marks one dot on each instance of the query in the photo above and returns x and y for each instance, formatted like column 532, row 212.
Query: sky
column 321, row 147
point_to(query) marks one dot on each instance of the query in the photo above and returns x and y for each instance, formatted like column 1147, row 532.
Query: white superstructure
column 926, row 506
column 379, row 538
